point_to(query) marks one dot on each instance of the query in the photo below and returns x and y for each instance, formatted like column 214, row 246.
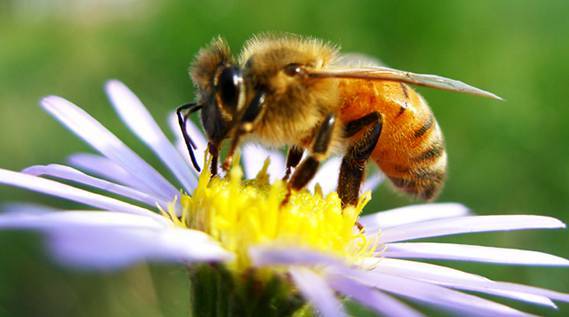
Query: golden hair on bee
column 286, row 90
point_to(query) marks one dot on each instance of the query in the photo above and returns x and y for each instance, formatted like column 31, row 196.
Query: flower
column 237, row 229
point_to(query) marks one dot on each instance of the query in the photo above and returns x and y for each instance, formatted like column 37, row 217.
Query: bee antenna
column 183, row 112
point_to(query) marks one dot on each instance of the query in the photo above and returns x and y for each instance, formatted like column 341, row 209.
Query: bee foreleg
column 308, row 167
column 354, row 162
column 292, row 159
column 183, row 112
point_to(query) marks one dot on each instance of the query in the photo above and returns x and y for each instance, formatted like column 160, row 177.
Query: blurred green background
column 505, row 157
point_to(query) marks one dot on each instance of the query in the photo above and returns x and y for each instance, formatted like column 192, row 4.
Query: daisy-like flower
column 246, row 254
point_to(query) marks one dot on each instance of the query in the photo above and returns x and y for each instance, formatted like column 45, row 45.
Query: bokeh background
column 505, row 157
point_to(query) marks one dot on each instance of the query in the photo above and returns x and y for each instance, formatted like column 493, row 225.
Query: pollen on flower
column 241, row 214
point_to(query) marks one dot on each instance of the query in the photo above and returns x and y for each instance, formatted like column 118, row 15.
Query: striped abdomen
column 410, row 150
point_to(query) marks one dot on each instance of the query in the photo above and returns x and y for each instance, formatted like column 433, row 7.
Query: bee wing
column 385, row 73
column 357, row 60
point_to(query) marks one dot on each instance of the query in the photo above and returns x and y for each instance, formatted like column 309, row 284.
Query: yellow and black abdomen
column 410, row 150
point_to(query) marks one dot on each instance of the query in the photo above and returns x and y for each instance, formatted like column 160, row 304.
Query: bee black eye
column 228, row 87
column 293, row 69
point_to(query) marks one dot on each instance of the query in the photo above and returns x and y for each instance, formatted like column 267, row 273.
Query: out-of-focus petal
column 372, row 298
column 254, row 157
column 138, row 119
column 197, row 137
column 475, row 253
column 68, row 173
column 90, row 130
column 371, row 183
column 109, row 240
column 412, row 214
column 317, row 292
column 433, row 294
column 270, row 256
column 468, row 224
column 465, row 281
column 54, row 188
column 103, row 167
column 327, row 175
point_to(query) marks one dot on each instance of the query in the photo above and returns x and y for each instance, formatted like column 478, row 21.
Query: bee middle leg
column 292, row 159
column 353, row 165
column 308, row 167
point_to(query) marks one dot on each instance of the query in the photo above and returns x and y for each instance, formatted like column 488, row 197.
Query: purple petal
column 475, row 253
column 469, row 224
column 317, row 292
column 254, row 157
column 105, row 168
column 434, row 294
column 68, row 173
column 327, row 175
column 270, row 256
column 90, row 130
column 197, row 137
column 457, row 279
column 374, row 299
column 372, row 182
column 411, row 214
column 138, row 119
column 110, row 240
column 53, row 188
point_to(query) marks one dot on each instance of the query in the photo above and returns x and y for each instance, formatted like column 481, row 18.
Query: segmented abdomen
column 410, row 150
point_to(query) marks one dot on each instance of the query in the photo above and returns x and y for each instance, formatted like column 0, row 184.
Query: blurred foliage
column 508, row 157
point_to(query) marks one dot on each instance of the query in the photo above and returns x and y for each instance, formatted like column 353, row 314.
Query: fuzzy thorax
column 242, row 214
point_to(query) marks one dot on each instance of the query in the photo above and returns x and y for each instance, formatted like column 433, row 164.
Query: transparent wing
column 385, row 73
column 357, row 60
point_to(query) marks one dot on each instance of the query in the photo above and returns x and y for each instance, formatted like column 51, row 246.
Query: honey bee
column 286, row 90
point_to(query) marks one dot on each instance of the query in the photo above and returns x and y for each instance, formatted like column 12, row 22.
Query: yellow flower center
column 241, row 214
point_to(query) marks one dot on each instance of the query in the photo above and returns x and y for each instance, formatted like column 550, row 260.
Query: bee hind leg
column 354, row 162
column 308, row 167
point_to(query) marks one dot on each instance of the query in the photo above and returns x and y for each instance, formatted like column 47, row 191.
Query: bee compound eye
column 229, row 86
column 293, row 69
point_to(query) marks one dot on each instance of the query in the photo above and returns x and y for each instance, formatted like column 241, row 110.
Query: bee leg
column 308, row 167
column 214, row 151
column 183, row 112
column 292, row 159
column 354, row 162
column 246, row 124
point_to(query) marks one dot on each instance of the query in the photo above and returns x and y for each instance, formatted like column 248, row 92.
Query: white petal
column 435, row 295
column 53, row 188
column 411, row 214
column 197, row 137
column 68, row 173
column 327, row 175
column 464, row 252
column 254, row 157
column 468, row 224
column 374, row 299
column 90, row 130
column 107, row 169
column 317, row 292
column 109, row 240
column 457, row 279
column 138, row 119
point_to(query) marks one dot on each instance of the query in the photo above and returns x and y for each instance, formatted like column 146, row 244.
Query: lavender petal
column 317, row 292
column 372, row 298
column 90, row 130
column 68, row 173
column 412, row 214
column 327, row 175
column 274, row 256
column 254, row 157
column 468, row 224
column 54, row 188
column 140, row 121
column 474, row 253
column 109, row 240
column 371, row 183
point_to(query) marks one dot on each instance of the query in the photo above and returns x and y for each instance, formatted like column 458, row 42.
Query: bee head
column 219, row 84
